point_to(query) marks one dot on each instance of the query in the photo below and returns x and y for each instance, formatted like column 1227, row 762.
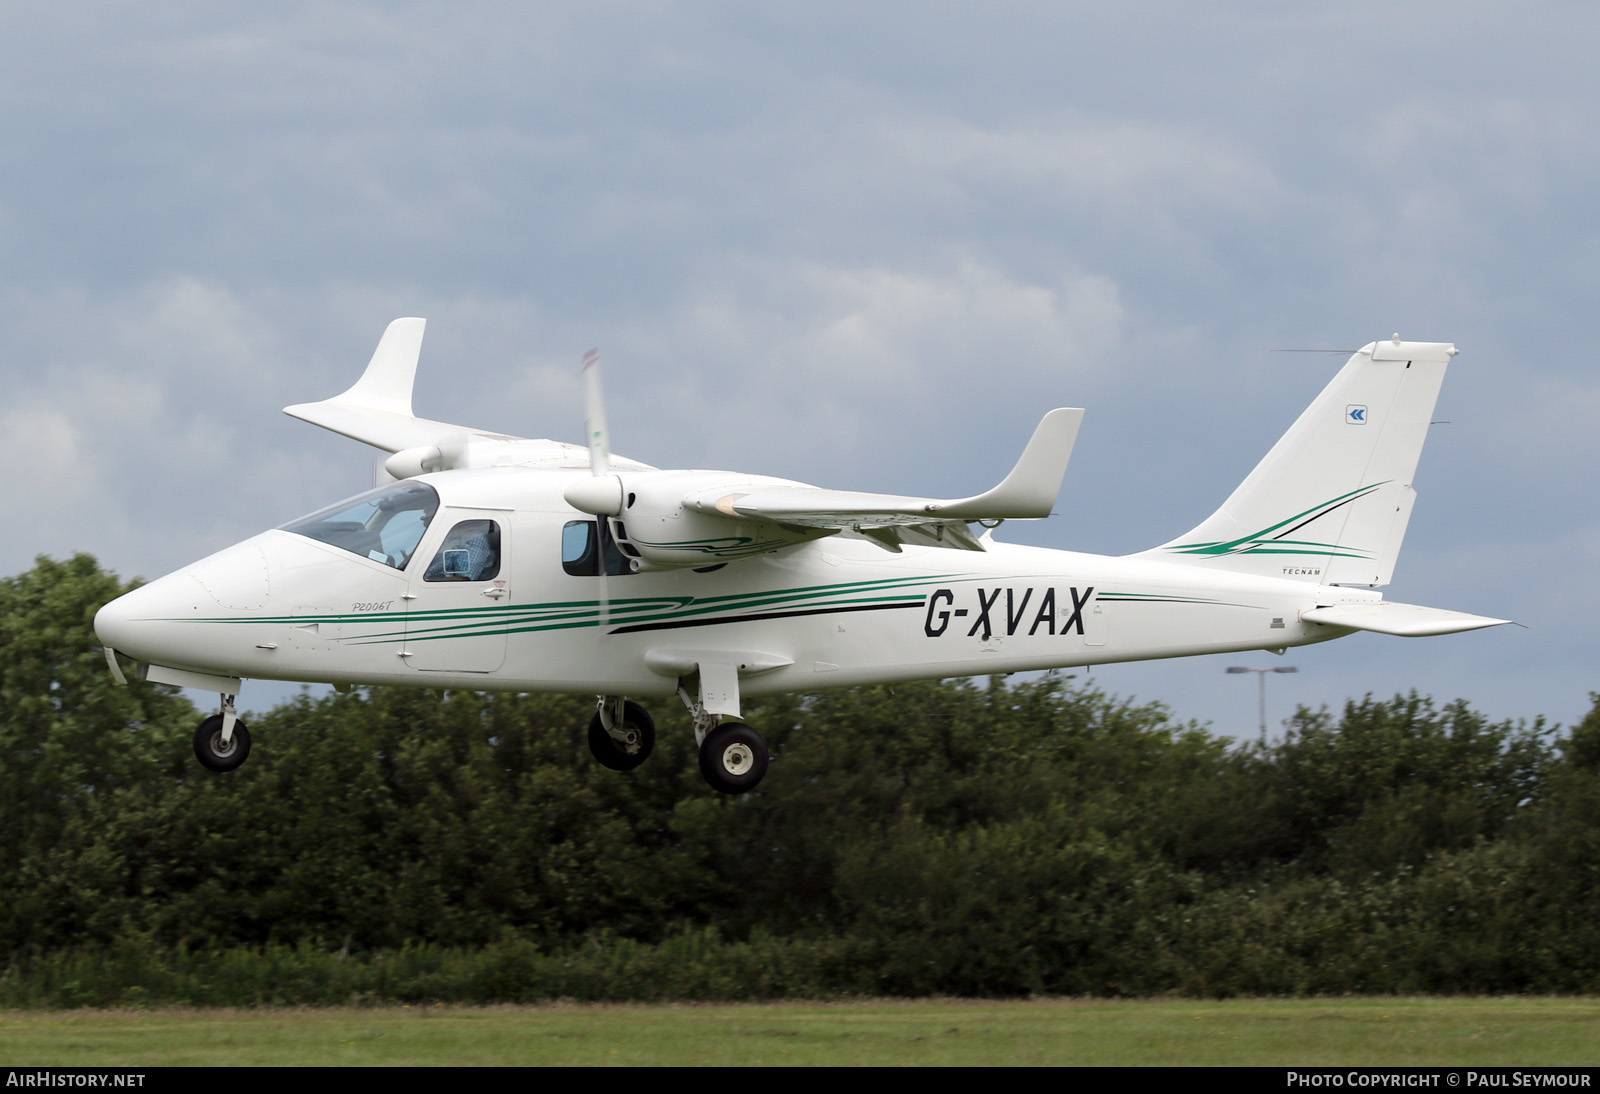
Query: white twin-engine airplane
column 496, row 562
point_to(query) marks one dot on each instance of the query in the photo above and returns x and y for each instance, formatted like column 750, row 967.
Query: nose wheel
column 216, row 752
column 621, row 734
column 222, row 742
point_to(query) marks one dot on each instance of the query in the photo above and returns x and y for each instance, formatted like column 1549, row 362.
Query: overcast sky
column 864, row 245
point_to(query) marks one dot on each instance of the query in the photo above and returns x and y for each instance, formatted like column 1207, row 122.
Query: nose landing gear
column 222, row 742
column 621, row 734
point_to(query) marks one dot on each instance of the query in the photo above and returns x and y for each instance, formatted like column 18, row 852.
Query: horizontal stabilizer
column 1405, row 620
column 1029, row 491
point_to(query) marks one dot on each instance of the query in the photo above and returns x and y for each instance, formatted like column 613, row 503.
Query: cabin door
column 459, row 603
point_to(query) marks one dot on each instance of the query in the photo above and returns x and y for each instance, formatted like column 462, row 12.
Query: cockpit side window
column 384, row 525
column 471, row 552
column 581, row 550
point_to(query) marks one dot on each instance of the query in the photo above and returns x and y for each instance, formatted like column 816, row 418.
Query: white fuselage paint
column 833, row 612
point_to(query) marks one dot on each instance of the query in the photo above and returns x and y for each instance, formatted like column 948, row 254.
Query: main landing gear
column 222, row 742
column 733, row 757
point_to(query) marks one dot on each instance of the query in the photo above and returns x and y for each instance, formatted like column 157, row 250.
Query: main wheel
column 733, row 758
column 627, row 754
column 212, row 752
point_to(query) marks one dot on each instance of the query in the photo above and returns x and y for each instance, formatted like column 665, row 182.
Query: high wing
column 1028, row 492
column 679, row 518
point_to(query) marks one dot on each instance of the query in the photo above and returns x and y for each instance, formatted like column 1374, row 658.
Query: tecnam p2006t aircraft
column 497, row 562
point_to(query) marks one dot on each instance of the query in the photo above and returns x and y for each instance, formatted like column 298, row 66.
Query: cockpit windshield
column 384, row 525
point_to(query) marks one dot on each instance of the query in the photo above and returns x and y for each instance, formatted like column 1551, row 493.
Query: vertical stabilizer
column 1330, row 502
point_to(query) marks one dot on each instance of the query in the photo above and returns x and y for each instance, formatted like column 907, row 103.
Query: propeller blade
column 594, row 412
column 595, row 416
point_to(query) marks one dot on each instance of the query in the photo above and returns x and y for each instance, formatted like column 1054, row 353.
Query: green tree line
column 948, row 837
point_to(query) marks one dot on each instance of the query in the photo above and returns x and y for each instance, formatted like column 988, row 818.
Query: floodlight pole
column 1261, row 675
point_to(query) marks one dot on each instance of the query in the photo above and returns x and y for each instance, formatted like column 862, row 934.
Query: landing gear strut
column 222, row 742
column 733, row 757
column 621, row 734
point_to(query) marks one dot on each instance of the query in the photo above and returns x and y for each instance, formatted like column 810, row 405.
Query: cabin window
column 384, row 525
column 470, row 552
column 581, row 550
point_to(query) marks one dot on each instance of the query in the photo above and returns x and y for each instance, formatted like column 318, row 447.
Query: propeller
column 604, row 490
column 594, row 414
column 601, row 493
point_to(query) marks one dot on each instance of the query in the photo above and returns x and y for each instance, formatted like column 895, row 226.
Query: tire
column 609, row 752
column 733, row 758
column 208, row 745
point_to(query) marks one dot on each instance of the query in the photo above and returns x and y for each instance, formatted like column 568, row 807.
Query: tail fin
column 1330, row 502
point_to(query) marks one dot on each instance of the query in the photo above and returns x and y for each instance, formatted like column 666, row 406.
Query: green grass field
column 1344, row 1032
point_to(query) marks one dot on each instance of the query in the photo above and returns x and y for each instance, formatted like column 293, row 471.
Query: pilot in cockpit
column 471, row 552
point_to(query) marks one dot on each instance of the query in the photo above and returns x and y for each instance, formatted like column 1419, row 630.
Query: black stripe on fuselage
column 674, row 624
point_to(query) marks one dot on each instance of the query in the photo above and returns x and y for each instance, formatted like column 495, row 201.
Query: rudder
column 1330, row 502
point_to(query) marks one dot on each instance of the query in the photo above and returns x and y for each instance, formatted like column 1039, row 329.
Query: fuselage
column 351, row 607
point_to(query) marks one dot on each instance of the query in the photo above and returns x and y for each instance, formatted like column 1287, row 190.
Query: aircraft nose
column 198, row 618
column 111, row 623
column 135, row 622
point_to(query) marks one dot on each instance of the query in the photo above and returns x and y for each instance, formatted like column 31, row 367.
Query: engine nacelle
column 656, row 529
